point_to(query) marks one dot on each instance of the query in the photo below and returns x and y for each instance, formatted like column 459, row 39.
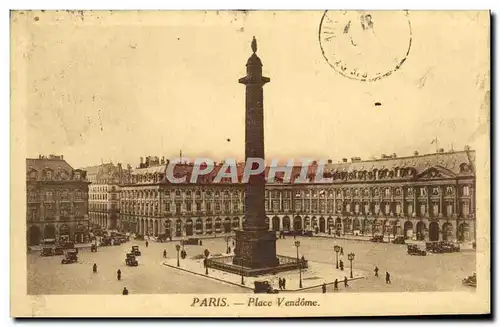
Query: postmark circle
column 365, row 46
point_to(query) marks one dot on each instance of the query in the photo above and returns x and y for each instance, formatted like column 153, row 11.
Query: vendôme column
column 255, row 244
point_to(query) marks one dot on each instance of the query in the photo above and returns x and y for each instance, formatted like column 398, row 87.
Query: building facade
column 57, row 201
column 104, row 195
column 423, row 197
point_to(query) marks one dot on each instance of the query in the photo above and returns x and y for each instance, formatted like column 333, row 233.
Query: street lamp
column 178, row 247
column 337, row 250
column 206, row 253
column 350, row 256
column 297, row 244
column 227, row 238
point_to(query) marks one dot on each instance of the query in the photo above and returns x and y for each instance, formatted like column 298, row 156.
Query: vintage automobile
column 93, row 248
column 47, row 252
column 135, row 250
column 399, row 240
column 442, row 247
column 106, row 241
column 413, row 249
column 264, row 287
column 192, row 241
column 130, row 260
column 71, row 257
column 69, row 245
column 377, row 239
column 58, row 250
column 470, row 281
column 116, row 241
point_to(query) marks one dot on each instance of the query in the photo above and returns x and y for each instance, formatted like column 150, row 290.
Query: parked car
column 135, row 250
column 377, row 239
column 58, row 250
column 130, row 260
column 71, row 257
column 442, row 247
column 264, row 287
column 470, row 281
column 93, row 248
column 413, row 249
column 47, row 252
column 399, row 240
column 192, row 241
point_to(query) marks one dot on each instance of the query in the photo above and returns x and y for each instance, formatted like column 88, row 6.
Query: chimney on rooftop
column 330, row 161
column 344, row 159
column 415, row 153
column 466, row 148
column 440, row 150
column 142, row 160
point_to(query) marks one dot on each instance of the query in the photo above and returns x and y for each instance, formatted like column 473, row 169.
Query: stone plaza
column 434, row 272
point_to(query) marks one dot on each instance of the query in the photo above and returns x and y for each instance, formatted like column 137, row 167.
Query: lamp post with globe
column 336, row 248
column 350, row 256
column 297, row 245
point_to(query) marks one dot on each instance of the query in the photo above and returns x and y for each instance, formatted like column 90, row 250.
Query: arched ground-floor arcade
column 75, row 231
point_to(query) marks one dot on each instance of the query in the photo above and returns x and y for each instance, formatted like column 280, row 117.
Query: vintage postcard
column 250, row 163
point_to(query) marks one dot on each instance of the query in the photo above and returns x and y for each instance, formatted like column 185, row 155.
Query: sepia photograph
column 250, row 163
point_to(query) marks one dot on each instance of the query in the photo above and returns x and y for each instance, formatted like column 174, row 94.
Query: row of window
column 102, row 188
column 103, row 196
column 177, row 208
column 50, row 211
column 178, row 193
column 49, row 174
column 64, row 195
column 387, row 191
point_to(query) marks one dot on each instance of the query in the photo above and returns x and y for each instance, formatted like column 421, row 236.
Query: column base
column 255, row 249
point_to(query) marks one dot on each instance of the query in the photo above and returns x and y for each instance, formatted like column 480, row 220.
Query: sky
column 117, row 86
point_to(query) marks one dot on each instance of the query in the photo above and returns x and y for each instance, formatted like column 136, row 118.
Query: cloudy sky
column 118, row 86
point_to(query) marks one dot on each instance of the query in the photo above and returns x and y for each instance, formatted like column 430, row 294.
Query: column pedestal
column 255, row 249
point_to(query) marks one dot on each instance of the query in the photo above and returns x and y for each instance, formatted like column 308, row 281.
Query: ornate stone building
column 424, row 197
column 57, row 201
column 104, row 194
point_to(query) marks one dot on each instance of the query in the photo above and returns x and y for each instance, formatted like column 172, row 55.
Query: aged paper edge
column 173, row 305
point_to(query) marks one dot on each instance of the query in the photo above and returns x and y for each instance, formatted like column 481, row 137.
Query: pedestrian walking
column 125, row 291
column 323, row 288
column 376, row 271
column 387, row 278
column 341, row 264
column 280, row 283
column 345, row 282
column 94, row 268
column 341, row 250
column 119, row 274
column 147, row 243
column 284, row 283
column 229, row 249
column 164, row 253
column 336, row 285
